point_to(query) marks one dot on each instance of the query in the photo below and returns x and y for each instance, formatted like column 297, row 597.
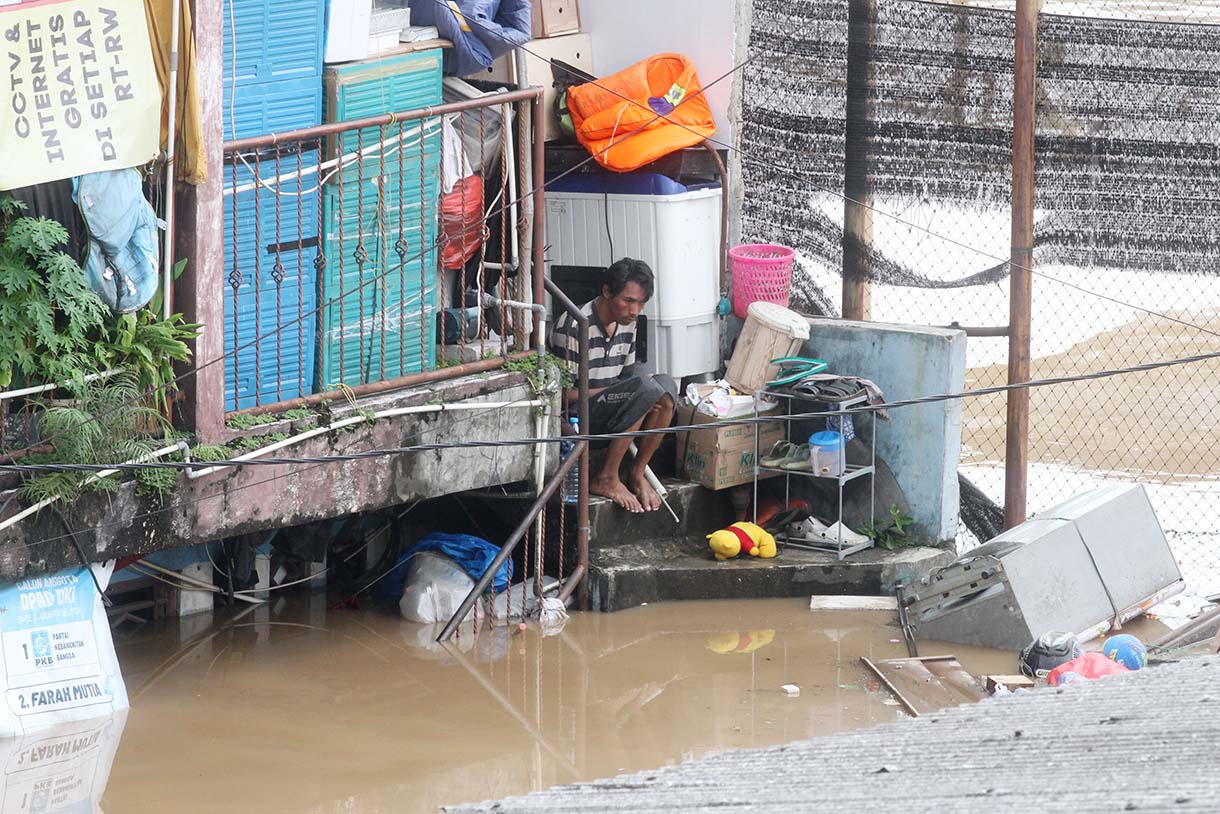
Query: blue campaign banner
column 55, row 599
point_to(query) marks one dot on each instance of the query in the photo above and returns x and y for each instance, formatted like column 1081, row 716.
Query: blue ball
column 1126, row 650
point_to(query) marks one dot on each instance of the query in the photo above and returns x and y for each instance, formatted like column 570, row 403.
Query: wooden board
column 1012, row 682
column 924, row 685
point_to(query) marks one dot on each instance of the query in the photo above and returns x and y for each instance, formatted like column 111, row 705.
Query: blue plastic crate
column 380, row 226
column 379, row 289
column 272, row 107
column 274, row 40
column 270, row 286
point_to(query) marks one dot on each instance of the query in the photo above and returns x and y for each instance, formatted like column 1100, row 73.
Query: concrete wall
column 922, row 443
column 626, row 31
column 257, row 498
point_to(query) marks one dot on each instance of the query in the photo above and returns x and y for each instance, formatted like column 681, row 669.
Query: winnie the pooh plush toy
column 733, row 642
column 742, row 538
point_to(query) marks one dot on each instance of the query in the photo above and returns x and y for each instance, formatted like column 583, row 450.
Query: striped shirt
column 610, row 357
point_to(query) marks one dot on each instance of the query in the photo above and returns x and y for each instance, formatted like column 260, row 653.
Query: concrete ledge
column 256, row 498
column 700, row 511
column 631, row 575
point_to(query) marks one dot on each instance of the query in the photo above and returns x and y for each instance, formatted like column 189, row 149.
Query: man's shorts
column 619, row 406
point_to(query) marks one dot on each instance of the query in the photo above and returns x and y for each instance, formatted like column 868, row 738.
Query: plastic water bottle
column 571, row 481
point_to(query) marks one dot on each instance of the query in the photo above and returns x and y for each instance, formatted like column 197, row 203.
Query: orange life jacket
column 664, row 110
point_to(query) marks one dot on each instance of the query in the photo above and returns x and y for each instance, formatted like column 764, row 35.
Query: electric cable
column 731, row 422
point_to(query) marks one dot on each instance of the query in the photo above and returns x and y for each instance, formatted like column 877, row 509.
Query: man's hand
column 572, row 395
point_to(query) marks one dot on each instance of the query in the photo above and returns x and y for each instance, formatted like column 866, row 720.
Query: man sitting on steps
column 619, row 400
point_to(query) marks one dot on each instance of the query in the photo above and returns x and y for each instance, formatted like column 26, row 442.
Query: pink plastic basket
column 762, row 272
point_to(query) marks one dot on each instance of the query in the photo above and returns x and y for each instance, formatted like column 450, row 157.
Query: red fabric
column 1088, row 666
column 747, row 545
column 462, row 222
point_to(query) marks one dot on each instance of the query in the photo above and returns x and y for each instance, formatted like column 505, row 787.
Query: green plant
column 246, row 421
column 890, row 533
column 147, row 346
column 210, row 452
column 296, row 414
column 540, row 381
column 48, row 314
column 105, row 424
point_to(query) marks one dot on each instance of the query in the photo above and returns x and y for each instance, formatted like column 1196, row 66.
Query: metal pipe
column 167, row 283
column 1016, row 446
column 335, row 128
column 582, row 508
column 572, row 583
column 538, row 194
column 582, row 384
column 397, row 143
column 376, row 388
column 1001, row 330
column 514, row 539
column 45, row 388
column 724, row 217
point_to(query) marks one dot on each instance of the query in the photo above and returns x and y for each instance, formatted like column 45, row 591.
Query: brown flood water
column 293, row 708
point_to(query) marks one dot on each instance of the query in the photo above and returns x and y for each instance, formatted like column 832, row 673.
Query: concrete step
column 632, row 574
column 700, row 511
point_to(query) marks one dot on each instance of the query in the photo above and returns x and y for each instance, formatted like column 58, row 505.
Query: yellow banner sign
column 80, row 91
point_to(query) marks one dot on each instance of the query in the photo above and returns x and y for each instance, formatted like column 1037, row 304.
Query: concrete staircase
column 641, row 558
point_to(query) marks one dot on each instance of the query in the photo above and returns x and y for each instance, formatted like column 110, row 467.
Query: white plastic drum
column 771, row 331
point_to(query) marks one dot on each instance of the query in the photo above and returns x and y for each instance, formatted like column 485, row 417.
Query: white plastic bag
column 435, row 589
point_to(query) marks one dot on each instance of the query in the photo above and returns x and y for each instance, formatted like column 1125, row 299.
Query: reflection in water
column 62, row 769
column 290, row 708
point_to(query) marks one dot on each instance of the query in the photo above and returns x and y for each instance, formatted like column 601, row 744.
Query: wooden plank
column 927, row 684
column 1012, row 682
column 853, row 603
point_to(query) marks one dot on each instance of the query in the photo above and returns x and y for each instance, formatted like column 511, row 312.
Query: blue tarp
column 472, row 554
column 480, row 30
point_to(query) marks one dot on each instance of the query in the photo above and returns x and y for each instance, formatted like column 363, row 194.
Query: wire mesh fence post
column 1016, row 447
column 857, row 209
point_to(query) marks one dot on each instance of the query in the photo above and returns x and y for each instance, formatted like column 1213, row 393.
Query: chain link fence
column 906, row 107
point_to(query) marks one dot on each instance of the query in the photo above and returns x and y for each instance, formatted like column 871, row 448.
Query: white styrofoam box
column 679, row 237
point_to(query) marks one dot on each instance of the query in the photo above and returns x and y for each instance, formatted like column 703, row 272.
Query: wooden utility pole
column 1025, row 75
column 857, row 186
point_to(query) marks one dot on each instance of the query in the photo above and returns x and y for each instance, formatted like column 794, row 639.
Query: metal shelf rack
column 851, row 472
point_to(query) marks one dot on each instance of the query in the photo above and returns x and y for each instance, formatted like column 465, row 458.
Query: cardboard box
column 554, row 17
column 574, row 49
column 722, row 456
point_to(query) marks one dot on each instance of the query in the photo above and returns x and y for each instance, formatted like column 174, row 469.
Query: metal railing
column 578, row 578
column 348, row 270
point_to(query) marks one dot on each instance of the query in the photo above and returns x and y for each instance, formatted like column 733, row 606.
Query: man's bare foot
column 648, row 497
column 617, row 491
